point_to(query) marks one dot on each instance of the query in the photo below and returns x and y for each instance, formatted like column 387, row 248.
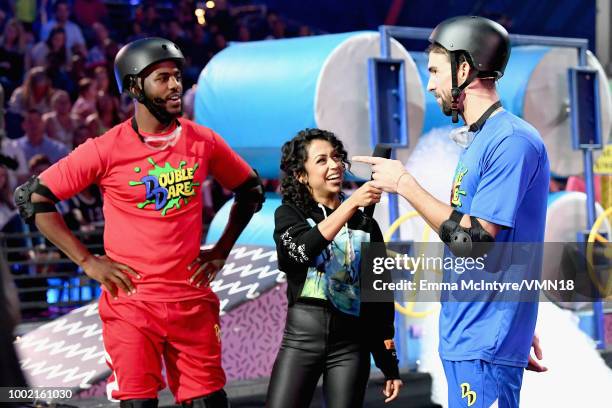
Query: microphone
column 379, row 151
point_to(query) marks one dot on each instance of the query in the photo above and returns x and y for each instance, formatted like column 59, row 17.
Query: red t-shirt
column 152, row 200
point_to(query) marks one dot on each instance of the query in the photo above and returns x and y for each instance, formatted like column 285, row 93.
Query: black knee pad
column 139, row 403
column 217, row 399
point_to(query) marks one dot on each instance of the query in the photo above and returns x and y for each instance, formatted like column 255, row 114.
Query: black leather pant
column 318, row 340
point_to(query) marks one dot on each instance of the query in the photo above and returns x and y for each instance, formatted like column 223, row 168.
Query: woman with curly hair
column 329, row 331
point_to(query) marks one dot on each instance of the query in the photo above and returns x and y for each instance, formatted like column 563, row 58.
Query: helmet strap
column 456, row 90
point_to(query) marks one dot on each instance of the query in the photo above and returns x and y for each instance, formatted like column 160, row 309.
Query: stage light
column 200, row 15
column 210, row 4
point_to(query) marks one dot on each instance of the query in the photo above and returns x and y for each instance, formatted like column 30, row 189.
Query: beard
column 177, row 113
column 445, row 104
column 163, row 104
column 159, row 107
column 446, row 108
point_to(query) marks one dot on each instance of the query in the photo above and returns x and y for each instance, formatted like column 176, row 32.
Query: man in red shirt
column 156, row 301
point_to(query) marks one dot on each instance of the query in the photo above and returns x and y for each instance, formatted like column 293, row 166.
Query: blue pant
column 478, row 384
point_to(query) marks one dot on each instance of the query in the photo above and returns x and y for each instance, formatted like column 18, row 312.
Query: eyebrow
column 160, row 74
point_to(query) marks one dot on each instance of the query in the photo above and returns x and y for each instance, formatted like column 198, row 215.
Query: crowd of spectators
column 57, row 79
column 56, row 65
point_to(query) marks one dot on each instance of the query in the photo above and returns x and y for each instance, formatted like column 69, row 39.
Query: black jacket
column 298, row 244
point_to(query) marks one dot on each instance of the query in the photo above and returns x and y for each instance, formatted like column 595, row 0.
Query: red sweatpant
column 138, row 334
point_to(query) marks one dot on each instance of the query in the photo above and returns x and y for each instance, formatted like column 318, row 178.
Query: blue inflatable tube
column 255, row 111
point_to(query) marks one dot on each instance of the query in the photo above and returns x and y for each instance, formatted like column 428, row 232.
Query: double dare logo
column 467, row 393
column 456, row 191
column 167, row 187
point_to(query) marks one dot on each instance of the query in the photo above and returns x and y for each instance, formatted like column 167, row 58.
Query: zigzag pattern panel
column 252, row 334
column 250, row 270
column 66, row 352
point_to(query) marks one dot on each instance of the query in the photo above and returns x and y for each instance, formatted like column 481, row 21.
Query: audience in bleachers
column 35, row 93
column 88, row 12
column 7, row 207
column 107, row 111
column 35, row 141
column 75, row 41
column 38, row 163
column 18, row 171
column 81, row 134
column 13, row 48
column 99, row 53
column 50, row 51
column 59, row 86
column 85, row 104
column 93, row 124
column 60, row 122
column 10, row 221
column 83, row 212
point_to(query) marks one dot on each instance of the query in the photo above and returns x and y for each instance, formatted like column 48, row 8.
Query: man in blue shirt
column 74, row 35
column 499, row 194
column 35, row 141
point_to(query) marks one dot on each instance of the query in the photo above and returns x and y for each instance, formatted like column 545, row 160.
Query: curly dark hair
column 294, row 156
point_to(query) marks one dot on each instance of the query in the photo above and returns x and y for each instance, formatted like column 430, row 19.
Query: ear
column 302, row 178
column 134, row 88
column 463, row 72
column 131, row 85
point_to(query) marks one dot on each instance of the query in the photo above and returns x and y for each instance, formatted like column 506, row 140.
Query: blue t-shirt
column 503, row 178
column 53, row 149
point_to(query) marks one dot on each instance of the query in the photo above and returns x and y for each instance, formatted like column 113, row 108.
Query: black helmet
column 135, row 57
column 484, row 41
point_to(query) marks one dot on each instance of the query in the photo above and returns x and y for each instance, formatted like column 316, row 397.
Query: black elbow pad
column 251, row 192
column 23, row 199
column 465, row 242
